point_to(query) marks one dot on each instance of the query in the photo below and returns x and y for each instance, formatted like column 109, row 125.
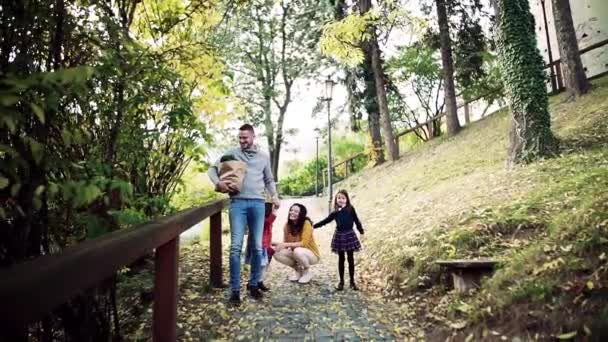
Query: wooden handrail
column 350, row 158
column 411, row 129
column 34, row 288
column 556, row 77
column 581, row 51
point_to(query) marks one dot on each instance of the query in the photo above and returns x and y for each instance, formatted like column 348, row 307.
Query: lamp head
column 329, row 88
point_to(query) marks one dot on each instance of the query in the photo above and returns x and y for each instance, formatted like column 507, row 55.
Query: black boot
column 263, row 287
column 235, row 298
column 340, row 286
column 353, row 286
column 255, row 292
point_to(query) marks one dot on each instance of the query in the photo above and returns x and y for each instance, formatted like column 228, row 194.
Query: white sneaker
column 296, row 275
column 306, row 276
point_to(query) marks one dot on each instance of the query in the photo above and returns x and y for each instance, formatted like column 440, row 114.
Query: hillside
column 546, row 222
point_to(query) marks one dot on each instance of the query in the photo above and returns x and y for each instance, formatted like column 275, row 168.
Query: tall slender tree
column 362, row 100
column 448, row 68
column 372, row 50
column 370, row 103
column 574, row 75
column 274, row 47
column 531, row 136
column 350, row 80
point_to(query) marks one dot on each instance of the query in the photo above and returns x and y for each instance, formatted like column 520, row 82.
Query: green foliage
column 418, row 70
column 272, row 47
column 342, row 39
column 417, row 60
column 194, row 189
column 102, row 107
column 409, row 142
column 301, row 180
column 490, row 86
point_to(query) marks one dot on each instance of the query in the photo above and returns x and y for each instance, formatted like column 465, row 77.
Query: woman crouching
column 298, row 249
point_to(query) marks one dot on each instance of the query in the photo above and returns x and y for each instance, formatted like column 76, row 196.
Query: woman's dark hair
column 348, row 205
column 295, row 227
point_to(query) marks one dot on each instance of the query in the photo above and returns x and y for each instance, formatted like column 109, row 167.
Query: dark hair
column 296, row 227
column 247, row 127
column 348, row 205
column 227, row 157
column 267, row 209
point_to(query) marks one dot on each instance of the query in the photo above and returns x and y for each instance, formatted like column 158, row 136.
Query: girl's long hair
column 348, row 206
column 295, row 227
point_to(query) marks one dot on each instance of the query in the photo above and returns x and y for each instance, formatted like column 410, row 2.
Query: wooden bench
column 467, row 274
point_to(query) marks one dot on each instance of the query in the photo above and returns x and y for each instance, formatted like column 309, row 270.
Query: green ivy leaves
column 524, row 81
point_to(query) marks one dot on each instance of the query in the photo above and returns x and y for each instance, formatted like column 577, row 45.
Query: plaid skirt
column 344, row 241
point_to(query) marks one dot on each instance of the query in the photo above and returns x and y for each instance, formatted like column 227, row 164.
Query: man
column 247, row 209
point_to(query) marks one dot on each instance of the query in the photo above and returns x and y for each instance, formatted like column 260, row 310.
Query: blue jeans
column 245, row 212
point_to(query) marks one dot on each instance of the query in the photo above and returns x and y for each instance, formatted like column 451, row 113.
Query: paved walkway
column 290, row 311
column 314, row 311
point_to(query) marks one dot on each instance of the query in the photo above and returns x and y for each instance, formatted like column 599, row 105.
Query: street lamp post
column 329, row 87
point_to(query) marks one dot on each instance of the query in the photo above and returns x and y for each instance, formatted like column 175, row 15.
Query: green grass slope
column 547, row 222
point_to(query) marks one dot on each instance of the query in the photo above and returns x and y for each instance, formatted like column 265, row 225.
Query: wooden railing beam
column 32, row 289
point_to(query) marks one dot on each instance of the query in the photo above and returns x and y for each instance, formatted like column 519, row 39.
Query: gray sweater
column 257, row 177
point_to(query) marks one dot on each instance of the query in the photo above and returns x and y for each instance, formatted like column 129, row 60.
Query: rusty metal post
column 215, row 250
column 165, row 292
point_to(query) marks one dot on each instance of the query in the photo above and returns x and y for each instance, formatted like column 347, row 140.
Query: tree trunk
column 351, row 87
column 448, row 69
column 269, row 133
column 374, row 50
column 371, row 106
column 389, row 137
column 436, row 128
column 117, row 122
column 277, row 144
column 274, row 162
column 574, row 75
column 430, row 130
column 524, row 78
column 467, row 115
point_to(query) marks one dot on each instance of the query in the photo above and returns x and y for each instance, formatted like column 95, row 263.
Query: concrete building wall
column 591, row 23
